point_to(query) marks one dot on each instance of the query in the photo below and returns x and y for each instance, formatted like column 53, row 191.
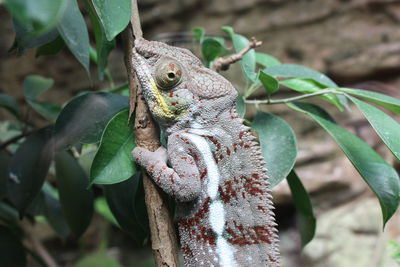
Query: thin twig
column 37, row 246
column 15, row 139
column 223, row 63
column 291, row 99
column 135, row 20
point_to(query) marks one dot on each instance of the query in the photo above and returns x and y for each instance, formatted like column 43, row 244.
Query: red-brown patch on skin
column 243, row 195
column 255, row 175
column 241, row 135
column 251, row 236
column 263, row 233
column 252, row 188
column 207, row 235
column 187, row 251
column 213, row 140
column 228, row 151
column 171, row 177
column 171, row 94
column 194, row 155
column 184, row 158
column 221, row 156
column 234, row 147
column 174, row 103
column 186, row 141
column 261, row 208
column 271, row 259
column 172, row 66
column 246, row 146
column 227, row 192
column 203, row 174
column 179, row 73
column 188, row 223
column 215, row 158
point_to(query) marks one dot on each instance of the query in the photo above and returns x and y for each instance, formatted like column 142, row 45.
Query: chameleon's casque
column 212, row 167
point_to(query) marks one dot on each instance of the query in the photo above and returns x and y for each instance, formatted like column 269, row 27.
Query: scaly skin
column 212, row 167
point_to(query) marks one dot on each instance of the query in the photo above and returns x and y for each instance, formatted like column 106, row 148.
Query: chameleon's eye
column 168, row 73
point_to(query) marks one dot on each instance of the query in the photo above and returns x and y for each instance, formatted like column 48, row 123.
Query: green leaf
column 10, row 104
column 12, row 252
column 25, row 38
column 103, row 209
column 28, row 168
column 73, row 30
column 113, row 15
column 212, row 47
column 103, row 46
column 198, row 33
column 38, row 16
column 386, row 127
column 4, row 161
column 98, row 259
column 8, row 215
column 307, row 86
column 84, row 118
column 113, row 162
column 240, row 106
column 278, row 145
column 88, row 152
column 34, row 86
column 48, row 110
column 76, row 200
column 266, row 60
column 297, row 71
column 126, row 201
column 376, row 172
column 270, row 84
column 52, row 48
column 302, row 203
column 53, row 212
column 248, row 61
column 388, row 102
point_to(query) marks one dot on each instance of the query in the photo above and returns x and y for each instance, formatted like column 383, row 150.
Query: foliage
column 395, row 246
column 88, row 141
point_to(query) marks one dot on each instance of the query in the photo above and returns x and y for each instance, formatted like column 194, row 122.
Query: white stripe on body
column 217, row 211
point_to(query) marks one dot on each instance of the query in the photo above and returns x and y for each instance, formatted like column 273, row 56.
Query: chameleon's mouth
column 151, row 93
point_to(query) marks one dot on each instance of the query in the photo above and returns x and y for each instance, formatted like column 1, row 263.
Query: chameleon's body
column 215, row 170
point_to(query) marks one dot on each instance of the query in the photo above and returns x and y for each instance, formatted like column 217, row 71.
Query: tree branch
column 15, row 139
column 163, row 237
column 291, row 99
column 37, row 246
column 223, row 63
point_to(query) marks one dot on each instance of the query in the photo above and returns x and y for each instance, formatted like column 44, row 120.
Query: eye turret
column 168, row 74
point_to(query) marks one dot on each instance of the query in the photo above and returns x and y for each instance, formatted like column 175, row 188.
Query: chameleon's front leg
column 181, row 181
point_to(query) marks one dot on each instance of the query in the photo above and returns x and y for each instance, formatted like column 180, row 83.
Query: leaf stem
column 291, row 99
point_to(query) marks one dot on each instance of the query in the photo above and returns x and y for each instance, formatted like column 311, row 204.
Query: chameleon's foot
column 145, row 157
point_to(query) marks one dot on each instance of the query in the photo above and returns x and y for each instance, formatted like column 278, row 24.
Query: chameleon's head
column 174, row 81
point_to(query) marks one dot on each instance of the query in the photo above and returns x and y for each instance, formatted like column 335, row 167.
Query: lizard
column 212, row 165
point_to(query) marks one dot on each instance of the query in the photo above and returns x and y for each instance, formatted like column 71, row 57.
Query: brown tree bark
column 163, row 236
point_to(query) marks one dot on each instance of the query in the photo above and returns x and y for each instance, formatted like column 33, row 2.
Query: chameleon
column 212, row 165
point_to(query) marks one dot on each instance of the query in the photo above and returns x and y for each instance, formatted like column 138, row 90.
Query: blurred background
column 355, row 42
